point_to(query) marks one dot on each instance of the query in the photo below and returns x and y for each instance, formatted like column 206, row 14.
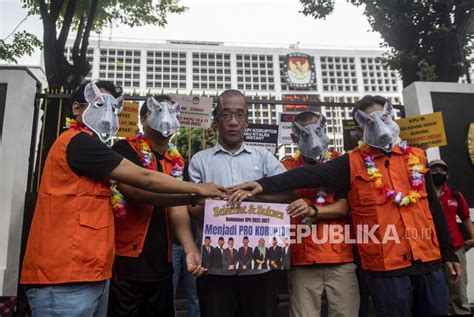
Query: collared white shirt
column 219, row 166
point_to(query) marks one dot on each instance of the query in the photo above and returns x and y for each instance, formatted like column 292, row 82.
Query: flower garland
column 74, row 124
column 145, row 149
column 118, row 201
column 178, row 162
column 414, row 167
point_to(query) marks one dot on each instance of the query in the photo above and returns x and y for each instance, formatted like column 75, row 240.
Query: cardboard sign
column 264, row 225
column 128, row 119
column 427, row 128
column 195, row 111
column 284, row 128
column 262, row 135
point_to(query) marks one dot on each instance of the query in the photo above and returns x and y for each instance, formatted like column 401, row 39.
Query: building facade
column 208, row 68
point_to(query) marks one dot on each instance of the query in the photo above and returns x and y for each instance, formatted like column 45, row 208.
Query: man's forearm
column 139, row 196
column 181, row 222
column 131, row 174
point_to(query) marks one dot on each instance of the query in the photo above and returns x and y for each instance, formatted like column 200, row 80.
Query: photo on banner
column 245, row 240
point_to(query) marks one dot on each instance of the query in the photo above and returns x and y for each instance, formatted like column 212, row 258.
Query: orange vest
column 309, row 252
column 72, row 233
column 413, row 223
column 132, row 228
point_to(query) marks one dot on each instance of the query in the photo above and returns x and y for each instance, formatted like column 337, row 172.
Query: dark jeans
column 415, row 295
column 132, row 298
column 235, row 296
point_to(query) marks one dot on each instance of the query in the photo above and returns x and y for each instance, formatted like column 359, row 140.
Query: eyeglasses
column 227, row 116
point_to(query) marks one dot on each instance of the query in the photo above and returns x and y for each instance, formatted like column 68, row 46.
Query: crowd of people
column 110, row 224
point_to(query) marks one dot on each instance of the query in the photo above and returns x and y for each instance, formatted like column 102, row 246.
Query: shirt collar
column 243, row 148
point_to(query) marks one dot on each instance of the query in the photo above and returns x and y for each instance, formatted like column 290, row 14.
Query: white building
column 208, row 68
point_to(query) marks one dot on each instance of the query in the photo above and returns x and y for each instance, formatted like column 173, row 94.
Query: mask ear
column 92, row 94
column 322, row 122
column 177, row 109
column 296, row 128
column 361, row 117
column 151, row 103
column 387, row 108
column 119, row 103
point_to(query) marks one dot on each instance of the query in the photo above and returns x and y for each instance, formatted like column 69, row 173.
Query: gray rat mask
column 101, row 114
column 380, row 131
column 312, row 139
column 163, row 116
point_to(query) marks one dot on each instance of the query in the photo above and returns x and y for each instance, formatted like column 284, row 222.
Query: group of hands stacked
column 235, row 195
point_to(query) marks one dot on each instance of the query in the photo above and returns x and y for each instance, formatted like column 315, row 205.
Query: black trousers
column 132, row 298
column 237, row 296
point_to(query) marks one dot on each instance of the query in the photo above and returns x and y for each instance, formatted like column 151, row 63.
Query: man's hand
column 300, row 208
column 468, row 244
column 193, row 263
column 211, row 190
column 243, row 191
column 454, row 272
column 244, row 267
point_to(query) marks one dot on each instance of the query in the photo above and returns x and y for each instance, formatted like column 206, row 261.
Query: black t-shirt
column 152, row 263
column 87, row 156
column 336, row 173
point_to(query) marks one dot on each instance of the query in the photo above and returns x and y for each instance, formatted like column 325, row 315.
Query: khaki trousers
column 306, row 285
column 458, row 301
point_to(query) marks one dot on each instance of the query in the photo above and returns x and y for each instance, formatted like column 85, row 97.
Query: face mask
column 380, row 131
column 163, row 116
column 101, row 114
column 439, row 179
column 312, row 139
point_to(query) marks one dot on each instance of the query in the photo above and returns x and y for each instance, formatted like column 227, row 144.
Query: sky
column 234, row 22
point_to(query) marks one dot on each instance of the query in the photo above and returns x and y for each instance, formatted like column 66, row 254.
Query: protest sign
column 427, row 128
column 254, row 237
column 284, row 127
column 128, row 119
column 262, row 135
column 195, row 111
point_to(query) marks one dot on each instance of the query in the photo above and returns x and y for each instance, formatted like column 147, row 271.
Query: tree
column 421, row 34
column 23, row 43
column 83, row 17
column 80, row 18
column 200, row 139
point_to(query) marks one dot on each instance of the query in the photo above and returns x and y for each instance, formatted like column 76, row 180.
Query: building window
column 212, row 63
column 166, row 77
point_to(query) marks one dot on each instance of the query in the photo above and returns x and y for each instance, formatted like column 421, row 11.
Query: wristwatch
column 193, row 199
